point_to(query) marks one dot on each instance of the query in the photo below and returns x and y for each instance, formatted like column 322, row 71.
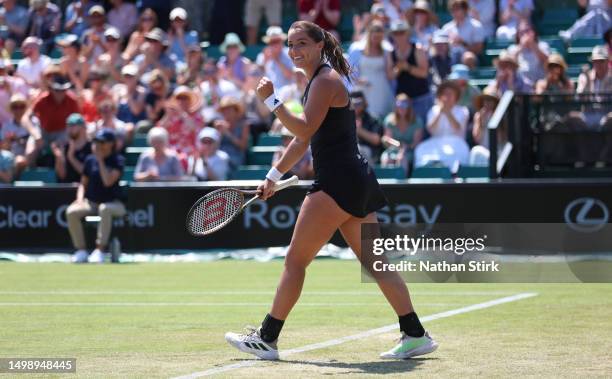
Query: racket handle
column 286, row 183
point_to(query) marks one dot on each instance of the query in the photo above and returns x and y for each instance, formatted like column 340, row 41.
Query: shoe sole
column 258, row 353
column 421, row 350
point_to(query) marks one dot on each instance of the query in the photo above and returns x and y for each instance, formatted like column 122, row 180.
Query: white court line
column 196, row 304
column 240, row 293
column 362, row 335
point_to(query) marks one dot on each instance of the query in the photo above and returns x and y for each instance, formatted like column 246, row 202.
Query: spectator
column 373, row 70
column 460, row 74
column 404, row 128
column 72, row 64
column 325, row 13
column 33, row 63
column 593, row 24
column 274, row 60
column 53, row 107
column 234, row 130
column 464, row 32
column 214, row 87
column 507, row 76
column 92, row 96
column 254, row 9
column 470, row 60
column 255, row 109
column 157, row 93
column 147, row 22
column 22, row 134
column 190, row 74
column 98, row 192
column 361, row 23
column 160, row 162
column 124, row 132
column 178, row 35
column 155, row 56
column 183, row 120
column 160, row 7
column 369, row 130
column 6, row 162
column 484, row 11
column 303, row 169
column 424, row 23
column 93, row 37
column 123, row 16
column 395, row 10
column 597, row 80
column 440, row 60
column 210, row 163
column 15, row 17
column 485, row 105
column 511, row 12
column 9, row 85
column 293, row 92
column 111, row 61
column 233, row 66
column 76, row 20
column 530, row 53
column 447, row 117
column 44, row 20
column 130, row 96
column 556, row 80
column 411, row 69
column 70, row 157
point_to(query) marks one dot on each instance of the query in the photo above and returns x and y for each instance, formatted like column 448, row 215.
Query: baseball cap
column 97, row 9
column 129, row 70
column 209, row 132
column 112, row 32
column 105, row 135
column 178, row 13
column 75, row 119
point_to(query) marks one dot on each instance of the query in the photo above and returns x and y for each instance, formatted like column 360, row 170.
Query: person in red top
column 53, row 108
column 325, row 13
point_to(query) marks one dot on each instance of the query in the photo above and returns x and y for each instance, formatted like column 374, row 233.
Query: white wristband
column 272, row 102
column 274, row 175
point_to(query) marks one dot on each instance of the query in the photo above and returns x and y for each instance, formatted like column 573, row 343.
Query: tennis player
column 344, row 195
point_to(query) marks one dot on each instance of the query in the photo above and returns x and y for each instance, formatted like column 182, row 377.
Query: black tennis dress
column 340, row 171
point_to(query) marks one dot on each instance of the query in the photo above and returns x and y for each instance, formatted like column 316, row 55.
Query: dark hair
column 332, row 51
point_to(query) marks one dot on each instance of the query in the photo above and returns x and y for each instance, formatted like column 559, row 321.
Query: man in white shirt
column 211, row 163
column 484, row 11
column 33, row 64
column 464, row 32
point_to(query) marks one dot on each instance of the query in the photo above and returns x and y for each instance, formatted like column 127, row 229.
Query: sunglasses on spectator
column 18, row 106
column 111, row 39
column 377, row 30
column 207, row 140
column 148, row 19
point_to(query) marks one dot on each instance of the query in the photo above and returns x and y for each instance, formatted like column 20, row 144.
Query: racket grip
column 286, row 183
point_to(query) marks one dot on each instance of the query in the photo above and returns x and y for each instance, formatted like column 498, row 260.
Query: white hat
column 112, row 32
column 209, row 132
column 274, row 32
column 178, row 13
column 130, row 70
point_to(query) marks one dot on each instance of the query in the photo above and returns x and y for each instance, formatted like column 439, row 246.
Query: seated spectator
column 360, row 23
column 293, row 92
column 303, row 169
column 93, row 38
column 464, row 32
column 160, row 162
column 403, row 126
column 146, row 23
column 325, row 13
column 440, row 60
column 76, row 16
column 369, row 130
column 507, row 76
column 183, row 120
column 123, row 16
column 597, row 80
column 155, row 99
column 233, row 66
column 274, row 59
column 424, row 23
column 70, row 157
column 485, row 105
column 53, row 107
column 484, row 11
column 15, row 16
column 190, row 73
column 450, row 151
column 511, row 13
column 98, row 193
column 214, row 87
column 44, row 23
column 253, row 11
column 124, row 132
column 130, row 96
column 556, row 80
column 256, row 110
column 91, row 97
column 9, row 85
column 447, row 117
column 7, row 162
column 155, row 56
column 72, row 65
column 22, row 133
column 111, row 61
column 234, row 130
column 593, row 24
column 209, row 163
column 396, row 9
column 32, row 65
column 460, row 74
column 470, row 60
column 179, row 37
column 411, row 69
column 530, row 53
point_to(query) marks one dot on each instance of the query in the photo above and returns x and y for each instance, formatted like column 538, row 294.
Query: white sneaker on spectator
column 96, row 256
column 80, row 256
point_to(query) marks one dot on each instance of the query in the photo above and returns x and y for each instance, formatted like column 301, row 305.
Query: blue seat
column 45, row 175
column 140, row 140
column 586, row 42
column 473, row 172
column 128, row 174
column 252, row 52
column 261, row 155
column 390, row 172
column 269, row 140
column 213, row 51
column 431, row 172
column 254, row 172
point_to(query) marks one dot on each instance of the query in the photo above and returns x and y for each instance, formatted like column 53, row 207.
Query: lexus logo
column 586, row 214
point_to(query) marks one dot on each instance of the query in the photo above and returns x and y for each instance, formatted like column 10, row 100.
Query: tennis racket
column 218, row 208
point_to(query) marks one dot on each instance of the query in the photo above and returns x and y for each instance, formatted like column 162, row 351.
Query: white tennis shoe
column 80, row 256
column 96, row 256
column 250, row 342
column 408, row 347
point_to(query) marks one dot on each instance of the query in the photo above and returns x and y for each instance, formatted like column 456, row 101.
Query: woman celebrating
column 344, row 195
column 556, row 80
column 402, row 125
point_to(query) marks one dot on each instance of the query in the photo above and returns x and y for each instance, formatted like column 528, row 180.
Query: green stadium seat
column 140, row 140
column 498, row 44
column 254, row 172
column 213, row 51
column 431, row 172
column 480, row 83
column 443, row 18
column 45, row 175
column 586, row 42
column 555, row 43
column 251, row 52
column 269, row 140
column 128, row 174
column 473, row 172
column 573, row 71
column 132, row 154
column 345, row 29
column 483, row 73
column 261, row 155
column 556, row 19
column 17, row 55
column 390, row 172
column 578, row 55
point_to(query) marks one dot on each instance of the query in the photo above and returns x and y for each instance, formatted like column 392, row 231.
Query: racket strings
column 215, row 210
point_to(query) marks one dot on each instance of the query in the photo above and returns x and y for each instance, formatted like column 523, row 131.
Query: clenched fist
column 265, row 88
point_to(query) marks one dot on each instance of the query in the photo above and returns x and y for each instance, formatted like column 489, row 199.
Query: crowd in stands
column 125, row 69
